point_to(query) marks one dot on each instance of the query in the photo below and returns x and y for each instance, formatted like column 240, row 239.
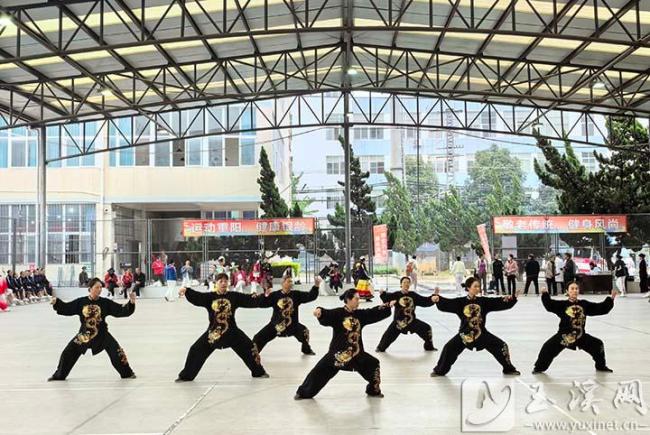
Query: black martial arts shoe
column 377, row 395
column 512, row 371
column 263, row 375
column 429, row 347
column 537, row 372
column 380, row 350
column 604, row 369
column 298, row 397
column 133, row 376
column 52, row 378
column 309, row 352
column 182, row 380
column 435, row 374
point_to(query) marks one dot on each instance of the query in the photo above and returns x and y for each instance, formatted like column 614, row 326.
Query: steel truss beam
column 325, row 110
column 293, row 48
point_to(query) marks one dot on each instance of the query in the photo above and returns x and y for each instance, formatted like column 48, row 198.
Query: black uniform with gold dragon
column 93, row 333
column 284, row 321
column 404, row 320
column 222, row 331
column 346, row 349
column 571, row 332
column 472, row 333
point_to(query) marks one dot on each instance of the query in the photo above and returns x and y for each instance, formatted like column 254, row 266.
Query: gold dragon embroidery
column 473, row 314
column 92, row 317
column 286, row 308
column 222, row 312
column 577, row 315
column 353, row 328
column 408, row 306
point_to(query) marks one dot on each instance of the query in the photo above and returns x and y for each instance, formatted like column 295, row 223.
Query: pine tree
column 362, row 210
column 272, row 203
column 296, row 211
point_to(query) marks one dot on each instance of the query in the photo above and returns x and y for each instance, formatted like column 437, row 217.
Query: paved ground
column 224, row 399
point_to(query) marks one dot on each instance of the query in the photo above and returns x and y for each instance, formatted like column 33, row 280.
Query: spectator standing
column 139, row 280
column 187, row 272
column 512, row 269
column 549, row 274
column 83, row 277
column 532, row 274
column 459, row 271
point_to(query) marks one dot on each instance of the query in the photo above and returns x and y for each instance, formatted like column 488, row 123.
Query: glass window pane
column 215, row 151
column 248, row 151
column 72, row 218
column 193, row 151
column 55, row 218
column 162, row 153
column 18, row 152
column 55, row 248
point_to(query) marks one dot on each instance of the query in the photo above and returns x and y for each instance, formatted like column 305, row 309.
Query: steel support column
column 42, row 197
column 347, row 14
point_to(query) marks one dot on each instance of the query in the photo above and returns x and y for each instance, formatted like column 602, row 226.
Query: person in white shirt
column 412, row 272
column 459, row 271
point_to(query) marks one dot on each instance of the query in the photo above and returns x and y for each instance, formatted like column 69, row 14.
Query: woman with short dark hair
column 472, row 334
column 346, row 348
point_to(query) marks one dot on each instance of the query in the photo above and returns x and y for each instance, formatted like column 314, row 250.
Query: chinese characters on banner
column 482, row 234
column 380, row 238
column 252, row 227
column 609, row 223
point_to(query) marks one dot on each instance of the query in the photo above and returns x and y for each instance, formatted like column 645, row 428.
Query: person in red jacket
column 110, row 281
column 127, row 281
column 158, row 269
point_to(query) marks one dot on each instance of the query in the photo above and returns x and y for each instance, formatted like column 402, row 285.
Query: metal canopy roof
column 77, row 60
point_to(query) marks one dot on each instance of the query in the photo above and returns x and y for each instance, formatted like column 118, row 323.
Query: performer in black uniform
column 222, row 330
column 346, row 349
column 571, row 333
column 284, row 321
column 472, row 334
column 404, row 321
column 93, row 333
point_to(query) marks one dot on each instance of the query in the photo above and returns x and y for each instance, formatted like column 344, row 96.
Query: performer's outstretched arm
column 376, row 314
column 312, row 294
column 248, row 301
column 119, row 310
column 550, row 304
column 65, row 308
column 600, row 308
column 199, row 299
column 500, row 304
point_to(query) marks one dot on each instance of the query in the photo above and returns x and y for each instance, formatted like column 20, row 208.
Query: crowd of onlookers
column 22, row 288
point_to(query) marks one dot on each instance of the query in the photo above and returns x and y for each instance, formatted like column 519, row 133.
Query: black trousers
column 454, row 347
column 512, row 284
column 534, row 280
column 417, row 326
column 643, row 284
column 268, row 333
column 553, row 346
column 499, row 279
column 551, row 285
column 111, row 288
column 136, row 288
column 236, row 339
column 126, row 291
column 73, row 351
column 364, row 363
column 560, row 284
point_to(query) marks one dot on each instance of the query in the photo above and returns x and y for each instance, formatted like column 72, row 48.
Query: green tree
column 272, row 203
column 428, row 186
column 362, row 210
column 305, row 202
column 454, row 222
column 495, row 167
column 398, row 215
column 296, row 211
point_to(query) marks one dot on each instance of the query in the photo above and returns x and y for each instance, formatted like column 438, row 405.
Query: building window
column 334, row 197
column 587, row 127
column 249, row 214
column 373, row 164
column 380, row 201
column 487, row 123
column 219, row 214
column 589, row 161
column 335, row 165
column 215, row 151
column 368, row 133
column 333, row 133
column 247, row 148
column 193, row 152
